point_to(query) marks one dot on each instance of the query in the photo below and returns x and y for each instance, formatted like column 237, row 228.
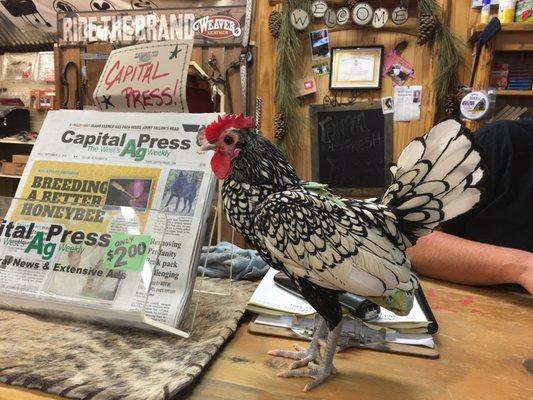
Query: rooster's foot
column 302, row 355
column 319, row 373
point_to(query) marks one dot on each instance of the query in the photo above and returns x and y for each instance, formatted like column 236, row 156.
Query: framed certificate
column 356, row 67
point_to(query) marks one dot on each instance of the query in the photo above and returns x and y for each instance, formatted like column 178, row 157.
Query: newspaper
column 407, row 102
column 108, row 216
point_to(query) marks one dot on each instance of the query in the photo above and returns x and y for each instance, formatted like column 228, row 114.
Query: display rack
column 72, row 278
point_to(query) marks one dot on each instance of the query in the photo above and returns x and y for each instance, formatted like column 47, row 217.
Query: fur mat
column 83, row 361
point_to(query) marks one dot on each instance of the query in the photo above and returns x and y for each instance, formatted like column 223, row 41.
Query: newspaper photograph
column 109, row 214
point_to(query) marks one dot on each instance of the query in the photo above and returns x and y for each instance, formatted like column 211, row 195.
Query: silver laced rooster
column 327, row 246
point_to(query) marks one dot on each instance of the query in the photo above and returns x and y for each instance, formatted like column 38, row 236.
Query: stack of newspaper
column 108, row 218
column 279, row 308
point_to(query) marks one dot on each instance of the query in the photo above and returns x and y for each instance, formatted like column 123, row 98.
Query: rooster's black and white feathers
column 357, row 246
column 435, row 180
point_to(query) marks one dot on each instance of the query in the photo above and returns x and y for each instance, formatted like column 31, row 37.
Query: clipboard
column 394, row 348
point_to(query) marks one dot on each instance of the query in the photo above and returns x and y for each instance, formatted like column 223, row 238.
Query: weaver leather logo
column 217, row 27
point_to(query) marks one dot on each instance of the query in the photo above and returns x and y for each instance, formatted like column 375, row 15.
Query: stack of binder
column 519, row 77
column 282, row 313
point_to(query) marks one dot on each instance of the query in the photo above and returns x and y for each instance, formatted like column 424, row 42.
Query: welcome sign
column 206, row 26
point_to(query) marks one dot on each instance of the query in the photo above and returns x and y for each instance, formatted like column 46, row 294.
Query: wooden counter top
column 485, row 336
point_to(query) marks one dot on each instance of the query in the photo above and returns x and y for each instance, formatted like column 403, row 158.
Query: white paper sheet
column 407, row 100
column 356, row 68
column 269, row 295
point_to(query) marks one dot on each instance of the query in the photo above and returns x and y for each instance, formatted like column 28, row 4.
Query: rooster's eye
column 228, row 140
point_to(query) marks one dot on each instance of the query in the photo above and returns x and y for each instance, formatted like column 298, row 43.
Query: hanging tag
column 362, row 13
column 330, row 18
column 399, row 15
column 318, row 8
column 299, row 19
column 343, row 15
column 381, row 16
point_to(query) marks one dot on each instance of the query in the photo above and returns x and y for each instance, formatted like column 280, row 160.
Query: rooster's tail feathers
column 436, row 179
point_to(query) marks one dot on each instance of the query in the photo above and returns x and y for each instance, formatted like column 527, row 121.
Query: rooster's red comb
column 215, row 128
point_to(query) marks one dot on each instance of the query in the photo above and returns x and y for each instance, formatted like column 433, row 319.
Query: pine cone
column 274, row 23
column 351, row 3
column 426, row 28
column 451, row 106
column 452, row 102
column 279, row 125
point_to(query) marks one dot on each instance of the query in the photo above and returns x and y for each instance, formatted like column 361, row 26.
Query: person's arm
column 451, row 258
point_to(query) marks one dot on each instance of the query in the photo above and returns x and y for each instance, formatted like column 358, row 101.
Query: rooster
column 329, row 246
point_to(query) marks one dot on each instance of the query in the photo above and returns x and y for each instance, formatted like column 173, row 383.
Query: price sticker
column 126, row 252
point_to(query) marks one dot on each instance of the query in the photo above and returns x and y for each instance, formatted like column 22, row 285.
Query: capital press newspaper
column 109, row 216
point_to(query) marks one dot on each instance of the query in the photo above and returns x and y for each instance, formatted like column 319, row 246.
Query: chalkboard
column 351, row 148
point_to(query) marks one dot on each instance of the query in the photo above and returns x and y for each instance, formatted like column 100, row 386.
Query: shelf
column 514, row 92
column 514, row 27
column 10, row 176
column 503, row 45
column 14, row 141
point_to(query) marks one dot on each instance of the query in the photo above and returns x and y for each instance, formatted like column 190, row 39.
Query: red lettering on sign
column 156, row 76
column 155, row 95
column 130, row 71
column 109, row 80
column 143, row 73
column 147, row 98
column 166, row 93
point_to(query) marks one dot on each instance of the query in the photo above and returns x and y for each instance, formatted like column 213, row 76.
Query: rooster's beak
column 206, row 146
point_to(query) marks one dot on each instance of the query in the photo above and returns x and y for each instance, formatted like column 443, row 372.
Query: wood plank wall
column 263, row 75
column 419, row 57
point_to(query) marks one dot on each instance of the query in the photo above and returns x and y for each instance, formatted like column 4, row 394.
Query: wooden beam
column 409, row 28
column 388, row 4
column 482, row 78
column 266, row 74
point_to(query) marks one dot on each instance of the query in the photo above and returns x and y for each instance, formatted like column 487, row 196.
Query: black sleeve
column 504, row 217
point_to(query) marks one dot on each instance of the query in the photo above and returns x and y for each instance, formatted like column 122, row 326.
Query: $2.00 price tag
column 127, row 252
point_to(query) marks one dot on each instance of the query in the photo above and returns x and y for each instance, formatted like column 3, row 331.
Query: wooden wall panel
column 420, row 57
column 266, row 56
column 94, row 69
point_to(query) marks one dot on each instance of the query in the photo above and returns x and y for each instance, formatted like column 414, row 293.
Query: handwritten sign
column 351, row 148
column 148, row 77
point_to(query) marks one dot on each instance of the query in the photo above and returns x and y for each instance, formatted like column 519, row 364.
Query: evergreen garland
column 446, row 48
column 288, row 65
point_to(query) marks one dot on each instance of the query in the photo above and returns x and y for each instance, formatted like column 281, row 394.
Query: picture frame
column 319, row 41
column 351, row 148
column 356, row 67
